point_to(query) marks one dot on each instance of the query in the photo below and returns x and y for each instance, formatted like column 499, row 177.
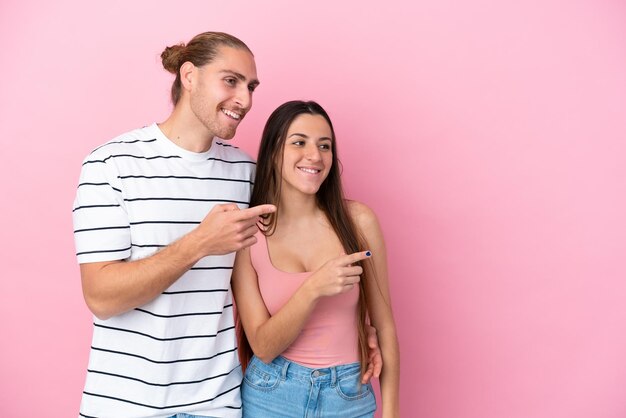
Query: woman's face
column 307, row 154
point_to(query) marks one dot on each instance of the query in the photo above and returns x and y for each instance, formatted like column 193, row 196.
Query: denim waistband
column 322, row 375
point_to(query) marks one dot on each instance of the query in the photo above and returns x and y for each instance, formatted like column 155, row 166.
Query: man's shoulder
column 136, row 141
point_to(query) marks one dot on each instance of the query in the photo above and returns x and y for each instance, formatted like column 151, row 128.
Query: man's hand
column 375, row 358
column 226, row 228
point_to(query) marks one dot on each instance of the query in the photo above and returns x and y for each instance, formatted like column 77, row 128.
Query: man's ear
column 188, row 75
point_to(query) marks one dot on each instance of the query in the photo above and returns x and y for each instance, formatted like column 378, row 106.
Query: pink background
column 489, row 136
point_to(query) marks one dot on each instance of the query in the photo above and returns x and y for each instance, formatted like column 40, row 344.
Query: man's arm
column 113, row 287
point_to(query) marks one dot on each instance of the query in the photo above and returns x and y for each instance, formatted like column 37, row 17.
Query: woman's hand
column 336, row 276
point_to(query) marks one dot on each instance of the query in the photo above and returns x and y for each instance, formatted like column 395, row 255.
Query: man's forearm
column 112, row 288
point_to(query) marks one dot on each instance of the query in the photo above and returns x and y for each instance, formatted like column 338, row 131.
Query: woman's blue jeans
column 287, row 389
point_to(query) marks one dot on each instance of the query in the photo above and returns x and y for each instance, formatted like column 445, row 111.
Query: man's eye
column 231, row 81
column 251, row 88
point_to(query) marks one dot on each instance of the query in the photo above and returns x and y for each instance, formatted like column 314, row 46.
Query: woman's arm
column 379, row 305
column 271, row 335
column 266, row 339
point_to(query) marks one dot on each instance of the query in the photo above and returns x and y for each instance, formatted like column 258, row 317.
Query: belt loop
column 284, row 370
column 333, row 376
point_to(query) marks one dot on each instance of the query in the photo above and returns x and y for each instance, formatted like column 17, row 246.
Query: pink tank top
column 330, row 337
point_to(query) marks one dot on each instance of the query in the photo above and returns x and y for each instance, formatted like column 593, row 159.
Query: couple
column 160, row 220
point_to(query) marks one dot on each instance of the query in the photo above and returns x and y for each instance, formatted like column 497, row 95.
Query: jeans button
column 316, row 373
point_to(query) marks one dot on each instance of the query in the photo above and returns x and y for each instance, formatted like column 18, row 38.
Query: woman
column 306, row 289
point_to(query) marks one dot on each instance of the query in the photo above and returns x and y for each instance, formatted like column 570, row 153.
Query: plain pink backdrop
column 489, row 136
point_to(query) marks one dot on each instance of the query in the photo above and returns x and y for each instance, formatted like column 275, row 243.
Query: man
column 158, row 215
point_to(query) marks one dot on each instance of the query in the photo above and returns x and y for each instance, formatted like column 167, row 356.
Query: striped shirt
column 178, row 353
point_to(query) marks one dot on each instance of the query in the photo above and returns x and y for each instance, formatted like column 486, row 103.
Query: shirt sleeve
column 101, row 222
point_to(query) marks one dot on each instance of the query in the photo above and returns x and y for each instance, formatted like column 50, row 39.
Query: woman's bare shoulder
column 362, row 215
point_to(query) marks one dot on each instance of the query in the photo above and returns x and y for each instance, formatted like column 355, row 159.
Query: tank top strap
column 259, row 254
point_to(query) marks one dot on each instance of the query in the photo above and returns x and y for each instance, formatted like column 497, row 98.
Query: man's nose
column 244, row 97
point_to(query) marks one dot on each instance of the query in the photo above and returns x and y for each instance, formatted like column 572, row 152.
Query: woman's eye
column 325, row 147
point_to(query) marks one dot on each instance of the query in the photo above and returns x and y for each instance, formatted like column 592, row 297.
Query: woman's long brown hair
column 330, row 199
